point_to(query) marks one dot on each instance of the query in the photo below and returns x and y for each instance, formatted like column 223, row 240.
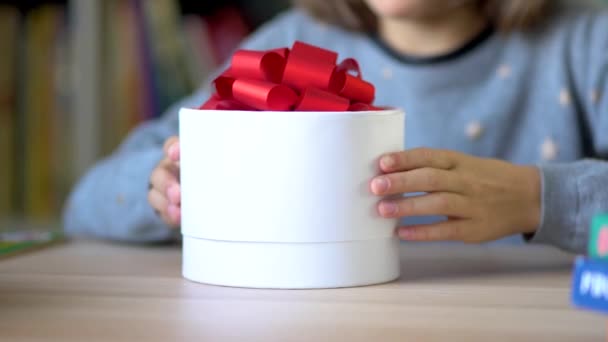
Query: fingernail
column 380, row 185
column 389, row 208
column 387, row 162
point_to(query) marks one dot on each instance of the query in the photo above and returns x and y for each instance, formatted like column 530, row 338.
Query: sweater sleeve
column 110, row 200
column 572, row 193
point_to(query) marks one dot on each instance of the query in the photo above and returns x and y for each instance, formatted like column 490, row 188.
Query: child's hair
column 505, row 15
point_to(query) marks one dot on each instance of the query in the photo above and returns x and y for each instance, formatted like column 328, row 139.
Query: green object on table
column 17, row 241
column 598, row 237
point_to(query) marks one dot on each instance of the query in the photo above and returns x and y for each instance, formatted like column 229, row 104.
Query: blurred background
column 77, row 75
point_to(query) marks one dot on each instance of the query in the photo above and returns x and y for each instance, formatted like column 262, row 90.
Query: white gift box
column 282, row 200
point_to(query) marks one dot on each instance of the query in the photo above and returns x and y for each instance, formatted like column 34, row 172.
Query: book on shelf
column 154, row 56
column 43, row 127
column 62, row 142
column 150, row 56
column 9, row 27
column 200, row 59
column 122, row 99
column 167, row 48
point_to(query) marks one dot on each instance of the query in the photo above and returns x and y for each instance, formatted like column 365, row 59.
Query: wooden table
column 91, row 291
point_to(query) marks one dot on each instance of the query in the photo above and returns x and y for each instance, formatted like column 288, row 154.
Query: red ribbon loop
column 263, row 95
column 350, row 64
column 305, row 78
column 356, row 89
column 258, row 65
column 313, row 98
column 301, row 73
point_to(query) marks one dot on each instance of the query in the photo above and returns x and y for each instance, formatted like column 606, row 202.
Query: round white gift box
column 282, row 200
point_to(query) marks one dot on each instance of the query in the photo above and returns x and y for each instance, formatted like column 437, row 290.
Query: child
column 522, row 81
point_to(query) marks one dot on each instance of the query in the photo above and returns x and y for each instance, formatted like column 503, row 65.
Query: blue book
column 590, row 284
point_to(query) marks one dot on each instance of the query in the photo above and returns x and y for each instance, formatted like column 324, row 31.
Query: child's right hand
column 164, row 192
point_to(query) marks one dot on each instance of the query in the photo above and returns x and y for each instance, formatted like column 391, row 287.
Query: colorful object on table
column 590, row 276
column 590, row 284
column 305, row 78
column 598, row 237
column 18, row 241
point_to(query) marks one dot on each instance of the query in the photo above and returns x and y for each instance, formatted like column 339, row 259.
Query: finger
column 174, row 194
column 418, row 180
column 174, row 214
column 164, row 176
column 450, row 230
column 169, row 143
column 173, row 152
column 418, row 158
column 170, row 214
column 438, row 203
column 158, row 202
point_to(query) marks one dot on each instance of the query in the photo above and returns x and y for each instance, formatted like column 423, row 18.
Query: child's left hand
column 484, row 199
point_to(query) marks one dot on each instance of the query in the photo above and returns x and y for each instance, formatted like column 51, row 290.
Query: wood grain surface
column 92, row 291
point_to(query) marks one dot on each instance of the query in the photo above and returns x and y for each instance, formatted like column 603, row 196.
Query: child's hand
column 165, row 192
column 484, row 199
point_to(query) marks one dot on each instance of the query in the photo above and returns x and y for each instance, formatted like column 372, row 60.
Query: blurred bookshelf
column 77, row 75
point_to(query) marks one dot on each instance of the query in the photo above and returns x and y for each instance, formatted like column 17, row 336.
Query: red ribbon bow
column 305, row 78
